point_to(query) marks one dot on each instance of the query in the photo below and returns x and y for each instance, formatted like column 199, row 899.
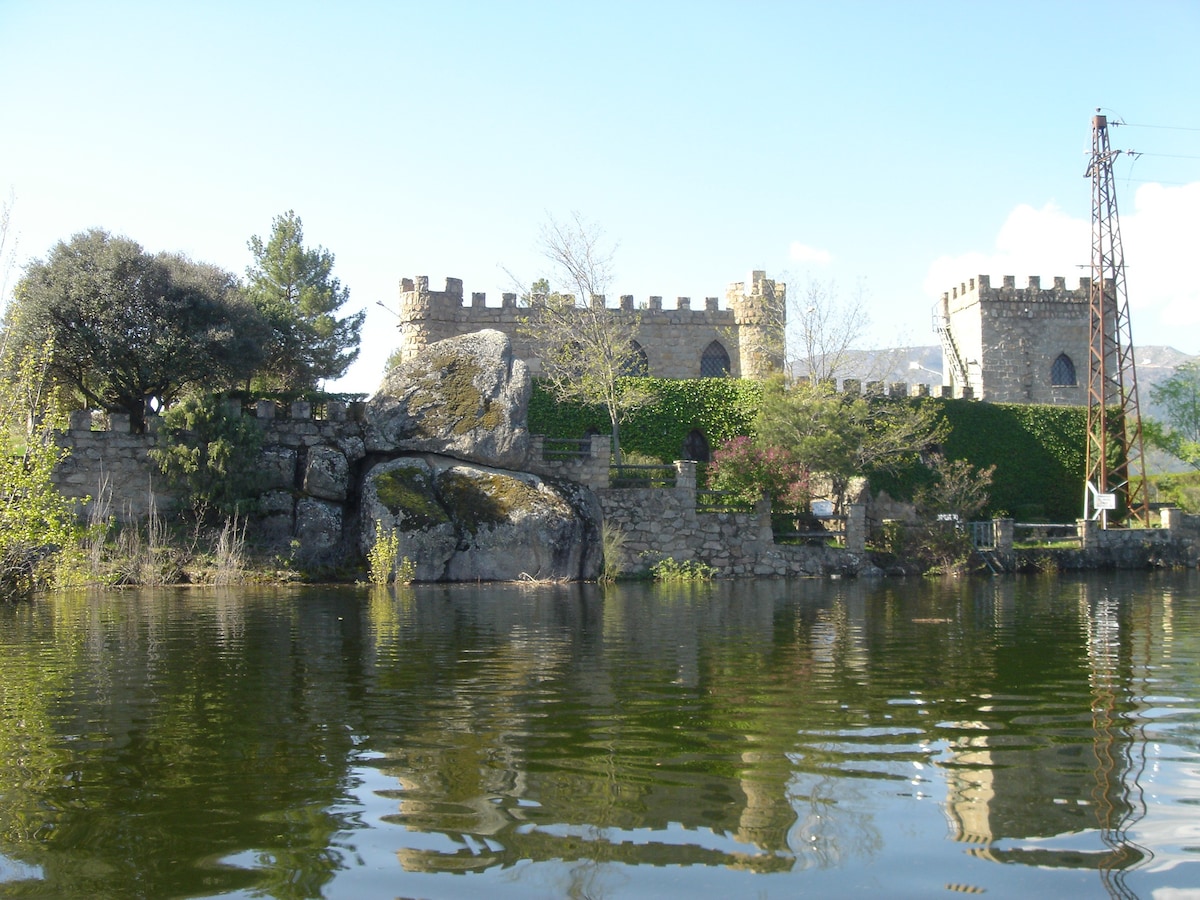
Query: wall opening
column 1062, row 372
column 715, row 361
column 638, row 365
column 695, row 446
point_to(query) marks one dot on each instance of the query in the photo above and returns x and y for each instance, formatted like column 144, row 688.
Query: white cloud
column 1159, row 237
column 804, row 253
column 1045, row 242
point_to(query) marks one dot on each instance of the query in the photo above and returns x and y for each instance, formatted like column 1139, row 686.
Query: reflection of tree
column 749, row 726
column 203, row 731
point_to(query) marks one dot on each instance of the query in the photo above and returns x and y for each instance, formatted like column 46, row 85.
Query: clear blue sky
column 901, row 145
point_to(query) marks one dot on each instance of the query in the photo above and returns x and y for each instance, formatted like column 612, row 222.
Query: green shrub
column 1038, row 451
column 383, row 560
column 210, row 454
column 673, row 571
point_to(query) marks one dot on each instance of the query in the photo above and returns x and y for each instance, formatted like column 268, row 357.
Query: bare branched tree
column 8, row 247
column 579, row 256
column 826, row 327
column 585, row 349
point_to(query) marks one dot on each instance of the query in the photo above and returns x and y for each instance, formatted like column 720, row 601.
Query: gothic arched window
column 715, row 361
column 638, row 364
column 1062, row 372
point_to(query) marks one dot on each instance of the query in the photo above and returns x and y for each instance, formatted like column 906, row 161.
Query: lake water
column 1020, row 737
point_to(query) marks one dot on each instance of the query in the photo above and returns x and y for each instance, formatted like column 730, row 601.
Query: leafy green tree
column 129, row 327
column 585, row 352
column 36, row 521
column 844, row 435
column 1179, row 396
column 958, row 489
column 294, row 289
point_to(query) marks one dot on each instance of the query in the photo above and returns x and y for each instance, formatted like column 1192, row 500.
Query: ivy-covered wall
column 1039, row 454
column 720, row 408
column 1038, row 451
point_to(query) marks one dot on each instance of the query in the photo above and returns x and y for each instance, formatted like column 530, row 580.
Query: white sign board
column 822, row 508
column 1105, row 501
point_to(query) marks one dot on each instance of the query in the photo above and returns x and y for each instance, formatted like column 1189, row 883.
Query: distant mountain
column 923, row 365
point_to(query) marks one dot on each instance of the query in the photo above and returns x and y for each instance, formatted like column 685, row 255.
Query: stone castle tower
column 1016, row 345
column 744, row 340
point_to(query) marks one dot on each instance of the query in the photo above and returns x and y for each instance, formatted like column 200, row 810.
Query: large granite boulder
column 462, row 522
column 465, row 397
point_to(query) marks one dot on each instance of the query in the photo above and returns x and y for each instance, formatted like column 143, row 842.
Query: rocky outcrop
column 449, row 429
column 464, row 522
column 436, row 456
column 465, row 397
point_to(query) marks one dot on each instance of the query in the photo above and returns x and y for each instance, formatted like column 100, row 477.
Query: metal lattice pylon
column 1116, row 476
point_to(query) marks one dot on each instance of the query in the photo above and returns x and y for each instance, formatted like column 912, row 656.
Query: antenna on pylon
column 1116, row 473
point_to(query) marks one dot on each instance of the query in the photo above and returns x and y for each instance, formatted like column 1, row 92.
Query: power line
column 1162, row 127
column 1164, row 155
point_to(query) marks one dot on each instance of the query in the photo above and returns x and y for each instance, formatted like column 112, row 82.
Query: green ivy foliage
column 1038, row 451
column 720, row 408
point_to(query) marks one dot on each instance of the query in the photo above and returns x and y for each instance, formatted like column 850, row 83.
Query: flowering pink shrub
column 749, row 471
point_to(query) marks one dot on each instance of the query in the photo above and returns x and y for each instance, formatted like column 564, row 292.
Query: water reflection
column 724, row 738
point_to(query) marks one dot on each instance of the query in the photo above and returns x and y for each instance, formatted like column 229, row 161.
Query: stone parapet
column 674, row 340
column 1018, row 344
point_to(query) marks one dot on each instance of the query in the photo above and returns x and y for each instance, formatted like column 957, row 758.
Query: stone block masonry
column 309, row 466
column 301, row 456
column 1017, row 345
column 744, row 339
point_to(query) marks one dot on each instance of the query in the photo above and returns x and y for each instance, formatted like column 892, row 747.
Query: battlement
column 737, row 339
column 417, row 300
column 980, row 287
column 1016, row 344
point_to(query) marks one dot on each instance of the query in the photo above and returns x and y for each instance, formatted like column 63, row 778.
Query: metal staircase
column 941, row 325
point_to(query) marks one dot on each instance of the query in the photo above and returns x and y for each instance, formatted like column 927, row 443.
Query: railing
column 566, row 448
column 812, row 535
column 1043, row 533
column 721, row 502
column 941, row 325
column 983, row 535
column 641, row 476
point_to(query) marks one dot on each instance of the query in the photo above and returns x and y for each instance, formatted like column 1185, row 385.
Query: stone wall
column 307, row 469
column 664, row 522
column 673, row 340
column 111, row 467
column 1008, row 339
column 310, row 471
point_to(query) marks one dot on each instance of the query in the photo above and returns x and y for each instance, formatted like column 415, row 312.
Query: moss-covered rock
column 465, row 397
column 460, row 522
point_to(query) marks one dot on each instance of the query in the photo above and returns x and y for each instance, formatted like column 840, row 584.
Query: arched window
column 715, row 361
column 1062, row 372
column 638, row 364
column 695, row 446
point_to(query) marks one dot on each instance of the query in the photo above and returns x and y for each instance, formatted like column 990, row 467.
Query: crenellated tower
column 1010, row 344
column 759, row 308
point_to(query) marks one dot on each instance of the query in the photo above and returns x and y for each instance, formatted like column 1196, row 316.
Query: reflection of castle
column 1016, row 799
column 1016, row 345
column 744, row 340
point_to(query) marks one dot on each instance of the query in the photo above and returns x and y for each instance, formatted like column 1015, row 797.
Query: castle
column 1016, row 345
column 1002, row 344
column 744, row 340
